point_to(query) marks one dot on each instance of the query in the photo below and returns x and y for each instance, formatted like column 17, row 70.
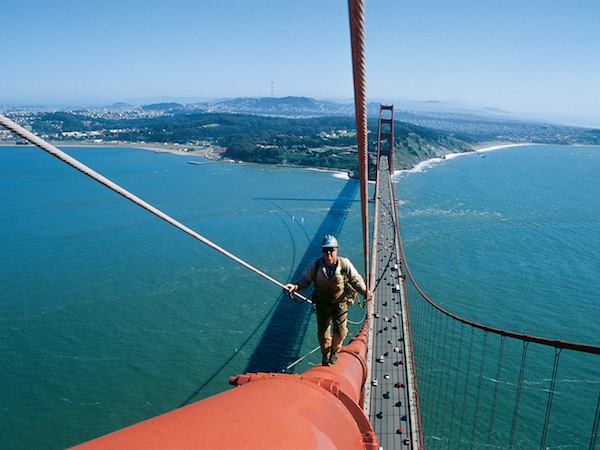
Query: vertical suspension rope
column 421, row 326
column 357, row 39
column 436, row 334
column 550, row 397
column 497, row 381
column 430, row 365
column 483, row 353
column 518, row 397
column 445, row 404
column 441, row 372
column 595, row 426
column 464, row 409
column 462, row 332
column 430, row 359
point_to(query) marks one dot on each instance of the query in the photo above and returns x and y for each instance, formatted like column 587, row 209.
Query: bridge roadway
column 390, row 392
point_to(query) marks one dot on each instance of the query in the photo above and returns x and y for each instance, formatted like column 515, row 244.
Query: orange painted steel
column 316, row 409
column 350, row 371
column 272, row 412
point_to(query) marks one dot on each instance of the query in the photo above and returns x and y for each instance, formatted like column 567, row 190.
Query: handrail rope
column 35, row 140
column 303, row 299
column 360, row 321
column 556, row 343
column 301, row 358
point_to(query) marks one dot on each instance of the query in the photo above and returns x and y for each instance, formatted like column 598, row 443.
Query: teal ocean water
column 509, row 238
column 109, row 316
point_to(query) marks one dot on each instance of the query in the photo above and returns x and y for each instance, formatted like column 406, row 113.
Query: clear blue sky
column 534, row 58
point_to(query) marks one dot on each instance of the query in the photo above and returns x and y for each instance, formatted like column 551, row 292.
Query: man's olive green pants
column 332, row 319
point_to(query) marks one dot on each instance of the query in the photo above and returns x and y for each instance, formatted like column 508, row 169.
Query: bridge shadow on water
column 283, row 336
column 285, row 332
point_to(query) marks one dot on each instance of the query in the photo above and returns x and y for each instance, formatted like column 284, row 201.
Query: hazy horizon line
column 408, row 105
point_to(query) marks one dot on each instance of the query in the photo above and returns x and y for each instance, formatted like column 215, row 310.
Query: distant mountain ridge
column 291, row 107
column 293, row 130
column 481, row 125
column 304, row 107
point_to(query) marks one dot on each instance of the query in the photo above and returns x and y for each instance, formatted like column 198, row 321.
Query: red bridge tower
column 385, row 141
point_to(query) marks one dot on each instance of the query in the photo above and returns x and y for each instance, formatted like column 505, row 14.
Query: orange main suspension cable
column 357, row 38
column 556, row 343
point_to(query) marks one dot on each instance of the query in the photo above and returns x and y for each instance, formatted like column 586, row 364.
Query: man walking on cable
column 334, row 279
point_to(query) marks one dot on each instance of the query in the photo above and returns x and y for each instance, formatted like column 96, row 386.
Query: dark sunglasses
column 329, row 250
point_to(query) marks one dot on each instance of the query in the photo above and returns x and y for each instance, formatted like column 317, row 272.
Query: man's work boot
column 325, row 360
column 333, row 358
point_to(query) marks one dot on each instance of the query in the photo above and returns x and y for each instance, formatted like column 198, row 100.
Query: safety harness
column 350, row 295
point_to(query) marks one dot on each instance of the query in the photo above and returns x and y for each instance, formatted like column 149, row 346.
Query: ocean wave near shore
column 420, row 167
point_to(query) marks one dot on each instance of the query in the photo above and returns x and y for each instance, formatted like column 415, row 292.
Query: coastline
column 175, row 149
column 338, row 173
column 208, row 154
column 481, row 148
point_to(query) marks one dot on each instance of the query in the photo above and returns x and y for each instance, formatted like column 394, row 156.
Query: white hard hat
column 329, row 241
